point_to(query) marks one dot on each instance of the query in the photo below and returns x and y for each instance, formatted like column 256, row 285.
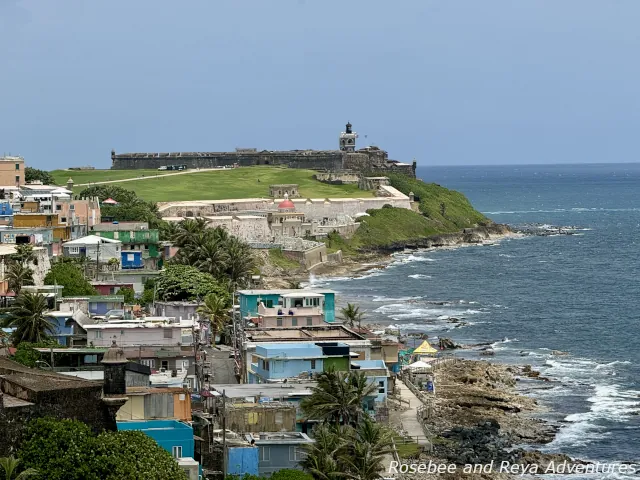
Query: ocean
column 529, row 296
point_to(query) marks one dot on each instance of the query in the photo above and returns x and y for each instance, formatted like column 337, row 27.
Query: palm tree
column 27, row 316
column 18, row 275
column 24, row 254
column 352, row 314
column 188, row 229
column 212, row 257
column 368, row 443
column 338, row 397
column 240, row 263
column 10, row 467
column 216, row 309
column 322, row 457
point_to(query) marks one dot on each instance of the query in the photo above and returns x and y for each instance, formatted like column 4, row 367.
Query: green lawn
column 88, row 176
column 246, row 182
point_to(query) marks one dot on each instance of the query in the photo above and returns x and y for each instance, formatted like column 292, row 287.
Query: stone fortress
column 346, row 158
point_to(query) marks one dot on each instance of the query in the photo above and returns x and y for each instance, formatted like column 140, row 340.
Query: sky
column 447, row 82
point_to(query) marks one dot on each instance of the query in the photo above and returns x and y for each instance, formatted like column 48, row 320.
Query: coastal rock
column 445, row 343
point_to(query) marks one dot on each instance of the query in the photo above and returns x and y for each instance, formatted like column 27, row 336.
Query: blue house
column 279, row 451
column 377, row 373
column 62, row 332
column 174, row 436
column 131, row 259
column 288, row 308
column 6, row 213
column 242, row 460
column 277, row 361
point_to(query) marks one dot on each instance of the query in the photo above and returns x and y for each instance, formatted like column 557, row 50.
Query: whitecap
column 419, row 275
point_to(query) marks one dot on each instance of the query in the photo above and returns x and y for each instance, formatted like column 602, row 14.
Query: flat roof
column 284, row 291
column 89, row 351
column 302, row 294
column 270, row 390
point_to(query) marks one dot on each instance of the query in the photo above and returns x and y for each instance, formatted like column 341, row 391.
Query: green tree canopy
column 33, row 174
column 26, row 352
column 216, row 309
column 68, row 450
column 129, row 295
column 184, row 282
column 70, row 276
column 28, row 316
column 351, row 314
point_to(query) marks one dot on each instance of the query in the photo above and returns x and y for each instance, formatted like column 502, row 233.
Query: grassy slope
column 88, row 176
column 248, row 182
column 388, row 225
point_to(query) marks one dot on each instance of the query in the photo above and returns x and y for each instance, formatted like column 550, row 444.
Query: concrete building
column 278, row 361
column 40, row 266
column 61, row 231
column 279, row 451
column 287, row 307
column 103, row 250
column 378, row 374
column 135, row 237
column 135, row 277
column 12, row 171
column 177, row 309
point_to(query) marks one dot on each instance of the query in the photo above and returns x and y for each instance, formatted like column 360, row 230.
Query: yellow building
column 61, row 232
column 11, row 171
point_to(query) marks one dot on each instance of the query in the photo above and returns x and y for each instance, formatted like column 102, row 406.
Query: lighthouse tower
column 348, row 139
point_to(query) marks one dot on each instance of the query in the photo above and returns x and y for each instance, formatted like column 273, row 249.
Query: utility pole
column 224, row 434
column 98, row 257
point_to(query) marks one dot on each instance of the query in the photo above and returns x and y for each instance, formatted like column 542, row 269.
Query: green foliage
column 285, row 474
column 351, row 314
column 279, row 259
column 27, row 316
column 184, row 282
column 24, row 254
column 68, row 450
column 129, row 295
column 338, row 397
column 33, row 174
column 26, row 352
column 348, row 451
column 214, row 251
column 216, row 309
column 149, row 292
column 70, row 276
column 18, row 275
column 448, row 210
column 130, row 208
column 9, row 467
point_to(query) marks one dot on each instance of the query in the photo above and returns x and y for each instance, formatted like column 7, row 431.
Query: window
column 168, row 333
column 74, row 250
column 265, row 454
column 295, row 454
column 132, row 235
column 72, row 207
column 98, row 334
column 269, row 303
column 294, row 322
column 63, row 219
column 58, row 207
column 313, row 364
column 309, row 320
column 380, row 387
column 130, row 257
column 149, row 362
column 176, row 451
column 116, row 235
column 146, row 235
column 164, row 365
column 185, row 364
column 279, row 322
column 17, row 166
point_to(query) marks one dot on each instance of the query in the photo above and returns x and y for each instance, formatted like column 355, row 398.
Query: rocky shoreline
column 479, row 418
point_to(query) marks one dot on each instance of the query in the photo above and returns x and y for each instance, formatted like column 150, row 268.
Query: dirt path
column 409, row 417
column 184, row 172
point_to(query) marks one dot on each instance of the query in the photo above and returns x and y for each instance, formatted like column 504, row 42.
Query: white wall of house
column 103, row 335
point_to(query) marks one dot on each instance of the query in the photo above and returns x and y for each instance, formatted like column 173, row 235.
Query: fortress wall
column 330, row 160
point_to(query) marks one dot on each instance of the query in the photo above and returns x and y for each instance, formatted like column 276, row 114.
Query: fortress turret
column 348, row 139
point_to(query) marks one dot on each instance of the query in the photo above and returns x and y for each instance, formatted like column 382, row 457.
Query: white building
column 93, row 248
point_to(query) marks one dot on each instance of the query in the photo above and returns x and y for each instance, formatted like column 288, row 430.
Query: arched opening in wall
column 266, row 162
column 189, row 213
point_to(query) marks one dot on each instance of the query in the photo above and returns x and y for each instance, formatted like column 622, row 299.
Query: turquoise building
column 174, row 436
column 288, row 302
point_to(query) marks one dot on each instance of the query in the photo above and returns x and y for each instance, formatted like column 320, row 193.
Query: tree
column 354, row 452
column 216, row 309
column 183, row 282
column 68, row 450
column 9, row 465
column 338, row 397
column 33, row 174
column 352, row 314
column 129, row 295
column 27, row 316
column 18, row 275
column 24, row 254
column 70, row 276
column 27, row 355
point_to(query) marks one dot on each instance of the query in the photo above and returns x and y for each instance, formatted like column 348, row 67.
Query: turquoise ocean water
column 529, row 296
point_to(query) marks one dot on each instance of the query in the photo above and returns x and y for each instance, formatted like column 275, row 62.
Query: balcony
column 280, row 311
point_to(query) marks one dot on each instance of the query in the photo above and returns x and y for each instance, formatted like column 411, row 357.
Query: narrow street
column 222, row 366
